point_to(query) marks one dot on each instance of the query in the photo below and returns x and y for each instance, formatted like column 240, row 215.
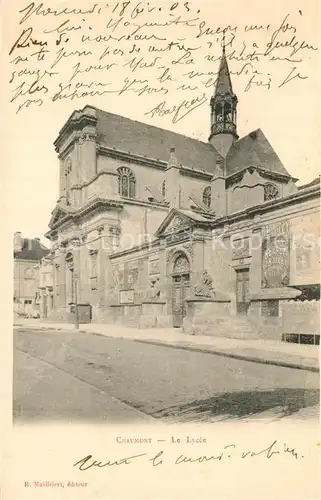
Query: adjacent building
column 156, row 229
column 28, row 253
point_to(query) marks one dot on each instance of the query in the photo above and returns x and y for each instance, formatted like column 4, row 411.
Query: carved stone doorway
column 180, row 287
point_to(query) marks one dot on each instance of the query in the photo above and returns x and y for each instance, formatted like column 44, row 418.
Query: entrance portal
column 242, row 290
column 180, row 286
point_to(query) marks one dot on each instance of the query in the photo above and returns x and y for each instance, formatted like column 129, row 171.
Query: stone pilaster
column 219, row 196
column 256, row 250
column 162, row 273
column 77, row 282
column 230, row 273
column 62, row 277
column 197, row 259
column 103, row 269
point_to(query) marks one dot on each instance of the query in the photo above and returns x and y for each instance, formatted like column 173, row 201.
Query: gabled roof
column 31, row 249
column 253, row 150
column 59, row 212
column 180, row 219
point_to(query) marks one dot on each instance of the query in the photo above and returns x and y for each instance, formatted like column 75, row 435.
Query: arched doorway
column 180, row 286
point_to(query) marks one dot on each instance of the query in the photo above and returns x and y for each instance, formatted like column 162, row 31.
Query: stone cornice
column 263, row 172
column 292, row 199
column 285, row 293
column 131, row 157
column 99, row 205
column 134, row 201
column 144, row 246
column 199, row 174
column 77, row 121
column 150, row 162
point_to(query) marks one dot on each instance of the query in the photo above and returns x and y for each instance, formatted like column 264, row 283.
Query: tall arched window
column 271, row 192
column 219, row 112
column 207, row 196
column 164, row 189
column 126, row 182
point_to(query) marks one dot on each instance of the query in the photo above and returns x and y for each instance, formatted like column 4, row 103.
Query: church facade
column 155, row 229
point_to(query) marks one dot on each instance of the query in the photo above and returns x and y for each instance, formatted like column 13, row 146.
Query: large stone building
column 156, row 229
column 27, row 253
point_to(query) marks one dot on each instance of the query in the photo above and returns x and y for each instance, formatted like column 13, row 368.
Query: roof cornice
column 77, row 121
column 151, row 162
column 303, row 195
column 263, row 171
column 131, row 157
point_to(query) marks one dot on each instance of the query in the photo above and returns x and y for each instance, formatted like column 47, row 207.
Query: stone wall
column 301, row 317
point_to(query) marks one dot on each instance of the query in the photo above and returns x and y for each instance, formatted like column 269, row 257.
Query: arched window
column 207, row 195
column 126, row 182
column 164, row 189
column 271, row 192
column 181, row 264
column 219, row 112
column 228, row 112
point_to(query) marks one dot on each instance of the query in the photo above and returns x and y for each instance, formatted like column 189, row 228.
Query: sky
column 288, row 115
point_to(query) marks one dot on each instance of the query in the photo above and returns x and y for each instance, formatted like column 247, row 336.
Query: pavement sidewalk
column 299, row 356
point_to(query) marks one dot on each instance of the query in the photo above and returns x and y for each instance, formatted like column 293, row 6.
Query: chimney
column 17, row 242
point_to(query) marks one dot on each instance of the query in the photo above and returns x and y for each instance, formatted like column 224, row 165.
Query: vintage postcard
column 161, row 208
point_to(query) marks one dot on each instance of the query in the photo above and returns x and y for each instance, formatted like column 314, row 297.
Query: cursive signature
column 178, row 111
column 228, row 452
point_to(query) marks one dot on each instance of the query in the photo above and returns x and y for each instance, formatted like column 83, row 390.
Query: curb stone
column 205, row 350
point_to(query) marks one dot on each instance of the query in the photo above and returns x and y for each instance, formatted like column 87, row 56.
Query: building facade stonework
column 155, row 229
column 27, row 268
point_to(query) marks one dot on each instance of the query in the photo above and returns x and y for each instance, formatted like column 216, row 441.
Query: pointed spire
column 223, row 109
column 223, row 82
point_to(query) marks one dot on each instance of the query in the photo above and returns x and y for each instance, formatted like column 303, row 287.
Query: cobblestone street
column 81, row 376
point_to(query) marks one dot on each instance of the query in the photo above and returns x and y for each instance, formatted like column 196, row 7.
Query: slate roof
column 32, row 249
column 315, row 182
column 143, row 139
column 223, row 82
column 253, row 150
column 131, row 136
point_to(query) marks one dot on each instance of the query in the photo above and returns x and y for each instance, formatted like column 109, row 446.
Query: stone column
column 62, row 277
column 77, row 272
